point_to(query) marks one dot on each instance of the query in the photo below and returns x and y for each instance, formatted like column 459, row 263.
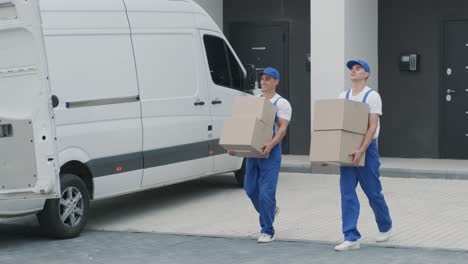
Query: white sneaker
column 348, row 245
column 277, row 210
column 383, row 236
column 265, row 238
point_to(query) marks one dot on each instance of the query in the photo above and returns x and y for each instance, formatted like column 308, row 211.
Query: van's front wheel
column 240, row 175
column 67, row 216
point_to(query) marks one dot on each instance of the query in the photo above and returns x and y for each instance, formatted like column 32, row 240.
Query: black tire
column 240, row 175
column 73, row 205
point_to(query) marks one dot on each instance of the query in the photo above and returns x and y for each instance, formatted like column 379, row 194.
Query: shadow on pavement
column 160, row 198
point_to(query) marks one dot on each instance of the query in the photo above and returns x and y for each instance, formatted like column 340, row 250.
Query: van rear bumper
column 17, row 207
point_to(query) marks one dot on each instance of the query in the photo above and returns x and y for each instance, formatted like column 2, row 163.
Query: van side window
column 224, row 69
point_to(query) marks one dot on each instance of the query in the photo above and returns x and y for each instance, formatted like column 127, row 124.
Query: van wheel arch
column 81, row 170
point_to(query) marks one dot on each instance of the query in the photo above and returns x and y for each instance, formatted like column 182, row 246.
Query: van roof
column 204, row 20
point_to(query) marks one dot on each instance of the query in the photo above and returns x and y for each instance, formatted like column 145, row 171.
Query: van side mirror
column 251, row 77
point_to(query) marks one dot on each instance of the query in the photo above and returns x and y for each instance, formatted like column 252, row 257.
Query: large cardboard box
column 245, row 136
column 335, row 147
column 251, row 106
column 341, row 114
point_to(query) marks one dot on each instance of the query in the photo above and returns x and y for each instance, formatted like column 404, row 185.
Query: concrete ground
column 213, row 216
column 23, row 246
column 426, row 212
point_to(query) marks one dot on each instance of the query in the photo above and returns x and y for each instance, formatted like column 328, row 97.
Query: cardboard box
column 245, row 135
column 335, row 146
column 252, row 106
column 341, row 114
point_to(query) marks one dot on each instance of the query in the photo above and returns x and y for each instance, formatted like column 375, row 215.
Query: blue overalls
column 368, row 178
column 261, row 179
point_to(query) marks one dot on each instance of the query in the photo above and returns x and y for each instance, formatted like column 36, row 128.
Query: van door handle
column 216, row 102
column 199, row 103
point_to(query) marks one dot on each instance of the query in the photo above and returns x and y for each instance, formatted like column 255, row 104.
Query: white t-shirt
column 373, row 100
column 283, row 108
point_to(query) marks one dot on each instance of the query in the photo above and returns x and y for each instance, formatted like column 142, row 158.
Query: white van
column 109, row 97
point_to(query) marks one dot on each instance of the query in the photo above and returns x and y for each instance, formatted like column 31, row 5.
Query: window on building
column 224, row 68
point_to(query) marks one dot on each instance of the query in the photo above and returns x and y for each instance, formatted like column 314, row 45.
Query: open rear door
column 28, row 151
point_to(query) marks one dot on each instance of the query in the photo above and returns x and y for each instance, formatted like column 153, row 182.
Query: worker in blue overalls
column 261, row 174
column 368, row 175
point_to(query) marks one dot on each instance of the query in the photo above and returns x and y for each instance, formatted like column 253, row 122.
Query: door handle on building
column 216, row 101
column 450, row 91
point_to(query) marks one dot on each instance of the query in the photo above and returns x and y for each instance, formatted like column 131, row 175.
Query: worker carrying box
column 339, row 129
column 250, row 127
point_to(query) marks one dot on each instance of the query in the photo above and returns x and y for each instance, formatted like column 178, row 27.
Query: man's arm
column 373, row 121
column 280, row 133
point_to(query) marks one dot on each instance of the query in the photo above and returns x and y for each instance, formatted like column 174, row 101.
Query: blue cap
column 363, row 64
column 270, row 71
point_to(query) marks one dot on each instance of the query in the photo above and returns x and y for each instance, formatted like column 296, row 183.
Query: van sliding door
column 174, row 102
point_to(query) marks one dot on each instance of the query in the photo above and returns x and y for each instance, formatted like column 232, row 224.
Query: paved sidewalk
column 430, row 213
column 391, row 167
column 426, row 212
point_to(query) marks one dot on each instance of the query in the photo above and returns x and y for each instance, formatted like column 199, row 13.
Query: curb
column 385, row 172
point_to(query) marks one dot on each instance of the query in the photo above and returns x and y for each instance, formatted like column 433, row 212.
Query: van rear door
column 28, row 151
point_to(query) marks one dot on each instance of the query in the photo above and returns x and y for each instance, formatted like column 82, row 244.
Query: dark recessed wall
column 411, row 109
column 297, row 13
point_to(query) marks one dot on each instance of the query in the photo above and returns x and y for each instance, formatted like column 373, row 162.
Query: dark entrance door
column 455, row 90
column 264, row 45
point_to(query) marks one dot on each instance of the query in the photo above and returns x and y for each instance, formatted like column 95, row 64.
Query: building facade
column 418, row 51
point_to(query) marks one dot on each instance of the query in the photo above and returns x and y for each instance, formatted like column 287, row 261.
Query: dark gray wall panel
column 297, row 13
column 411, row 108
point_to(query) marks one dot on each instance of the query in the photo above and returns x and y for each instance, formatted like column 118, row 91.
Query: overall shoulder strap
column 276, row 101
column 347, row 93
column 365, row 96
column 276, row 115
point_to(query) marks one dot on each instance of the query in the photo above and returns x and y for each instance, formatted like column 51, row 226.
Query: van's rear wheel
column 240, row 175
column 67, row 216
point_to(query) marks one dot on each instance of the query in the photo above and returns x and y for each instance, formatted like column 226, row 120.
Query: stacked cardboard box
column 250, row 127
column 339, row 129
